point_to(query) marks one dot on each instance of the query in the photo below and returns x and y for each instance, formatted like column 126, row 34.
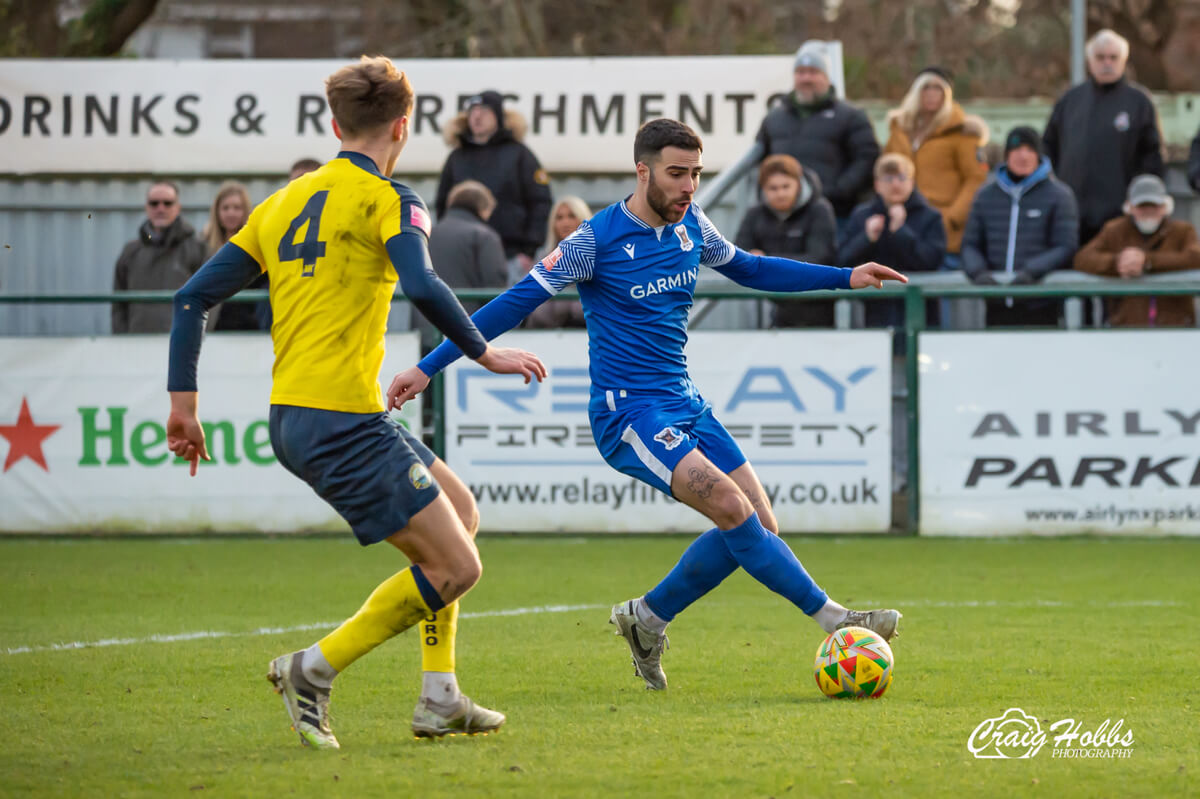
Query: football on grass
column 853, row 663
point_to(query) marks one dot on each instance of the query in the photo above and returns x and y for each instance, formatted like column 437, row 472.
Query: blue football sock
column 701, row 569
column 770, row 561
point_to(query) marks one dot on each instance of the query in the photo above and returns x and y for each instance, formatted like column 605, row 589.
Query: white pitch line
column 203, row 634
column 483, row 614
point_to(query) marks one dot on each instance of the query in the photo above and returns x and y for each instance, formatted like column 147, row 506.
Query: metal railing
column 1069, row 287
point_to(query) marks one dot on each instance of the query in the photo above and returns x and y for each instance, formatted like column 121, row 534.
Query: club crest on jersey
column 669, row 437
column 685, row 243
column 418, row 475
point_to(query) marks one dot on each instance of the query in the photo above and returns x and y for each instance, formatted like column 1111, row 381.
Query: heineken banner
column 84, row 449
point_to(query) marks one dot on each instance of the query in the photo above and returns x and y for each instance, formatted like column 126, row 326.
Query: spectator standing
column 828, row 136
column 229, row 212
column 896, row 228
column 794, row 221
column 1194, row 164
column 466, row 252
column 568, row 214
column 1103, row 132
column 164, row 255
column 1145, row 241
column 487, row 147
column 303, row 167
column 1024, row 222
column 946, row 147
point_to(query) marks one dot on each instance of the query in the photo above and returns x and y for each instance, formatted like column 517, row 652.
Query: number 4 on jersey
column 311, row 248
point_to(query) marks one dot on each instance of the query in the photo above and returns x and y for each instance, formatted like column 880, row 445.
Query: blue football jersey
column 637, row 285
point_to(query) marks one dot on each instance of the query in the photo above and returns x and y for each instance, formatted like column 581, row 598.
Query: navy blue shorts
column 369, row 467
column 646, row 436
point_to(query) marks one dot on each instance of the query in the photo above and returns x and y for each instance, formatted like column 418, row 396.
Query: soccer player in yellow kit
column 334, row 243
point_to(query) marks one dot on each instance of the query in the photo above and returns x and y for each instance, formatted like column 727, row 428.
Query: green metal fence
column 913, row 296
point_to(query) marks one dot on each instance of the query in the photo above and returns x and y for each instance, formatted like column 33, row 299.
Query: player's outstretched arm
column 872, row 275
column 501, row 360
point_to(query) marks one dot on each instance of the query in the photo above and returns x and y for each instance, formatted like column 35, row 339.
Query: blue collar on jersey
column 359, row 160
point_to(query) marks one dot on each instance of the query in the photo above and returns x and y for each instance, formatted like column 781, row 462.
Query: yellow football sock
column 391, row 609
column 437, row 639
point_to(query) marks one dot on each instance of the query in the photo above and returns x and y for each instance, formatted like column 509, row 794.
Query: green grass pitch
column 1082, row 628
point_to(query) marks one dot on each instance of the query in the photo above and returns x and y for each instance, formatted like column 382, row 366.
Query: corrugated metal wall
column 64, row 235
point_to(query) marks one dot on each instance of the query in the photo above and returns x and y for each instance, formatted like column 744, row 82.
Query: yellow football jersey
column 321, row 239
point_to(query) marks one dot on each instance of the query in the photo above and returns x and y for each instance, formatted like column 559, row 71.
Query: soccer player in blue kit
column 635, row 264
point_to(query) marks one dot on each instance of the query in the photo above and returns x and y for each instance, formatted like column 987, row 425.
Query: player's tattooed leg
column 701, row 480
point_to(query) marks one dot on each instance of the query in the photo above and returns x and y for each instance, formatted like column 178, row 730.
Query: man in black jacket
column 466, row 252
column 165, row 254
column 1103, row 132
column 1024, row 222
column 488, row 148
column 827, row 135
column 897, row 228
column 794, row 221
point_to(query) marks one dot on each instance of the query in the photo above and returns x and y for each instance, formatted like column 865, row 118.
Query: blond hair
column 909, row 115
column 368, row 95
column 213, row 234
column 578, row 207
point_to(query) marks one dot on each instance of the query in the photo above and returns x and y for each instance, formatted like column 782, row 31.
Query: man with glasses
column 164, row 255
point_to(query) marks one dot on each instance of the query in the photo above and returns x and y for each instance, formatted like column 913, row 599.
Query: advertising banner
column 811, row 411
column 1057, row 433
column 84, row 444
column 248, row 117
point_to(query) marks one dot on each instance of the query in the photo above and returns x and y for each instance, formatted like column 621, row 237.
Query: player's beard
column 657, row 199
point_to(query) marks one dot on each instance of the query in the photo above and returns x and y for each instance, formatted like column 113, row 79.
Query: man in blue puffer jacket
column 1025, row 222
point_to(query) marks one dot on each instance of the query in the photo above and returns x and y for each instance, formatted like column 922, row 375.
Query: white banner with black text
column 1052, row 433
column 254, row 117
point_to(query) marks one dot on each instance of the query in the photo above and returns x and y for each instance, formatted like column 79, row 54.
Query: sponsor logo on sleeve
column 417, row 217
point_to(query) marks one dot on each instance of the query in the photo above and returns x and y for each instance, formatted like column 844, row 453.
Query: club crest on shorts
column 669, row 437
column 418, row 475
column 685, row 243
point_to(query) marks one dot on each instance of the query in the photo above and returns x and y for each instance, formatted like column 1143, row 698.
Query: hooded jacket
column 154, row 261
column 512, row 173
column 950, row 166
column 830, row 137
column 1099, row 138
column 1172, row 248
column 1031, row 225
column 918, row 246
column 806, row 233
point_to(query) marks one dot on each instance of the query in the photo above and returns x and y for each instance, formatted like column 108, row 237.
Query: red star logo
column 25, row 438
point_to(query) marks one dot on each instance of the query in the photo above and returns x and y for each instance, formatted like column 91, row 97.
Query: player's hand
column 874, row 227
column 872, row 275
column 511, row 361
column 185, row 436
column 405, row 386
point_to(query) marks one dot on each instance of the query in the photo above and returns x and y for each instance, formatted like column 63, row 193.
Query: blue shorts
column 369, row 467
column 646, row 436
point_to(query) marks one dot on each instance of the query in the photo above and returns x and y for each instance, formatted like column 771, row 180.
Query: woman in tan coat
column 946, row 145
